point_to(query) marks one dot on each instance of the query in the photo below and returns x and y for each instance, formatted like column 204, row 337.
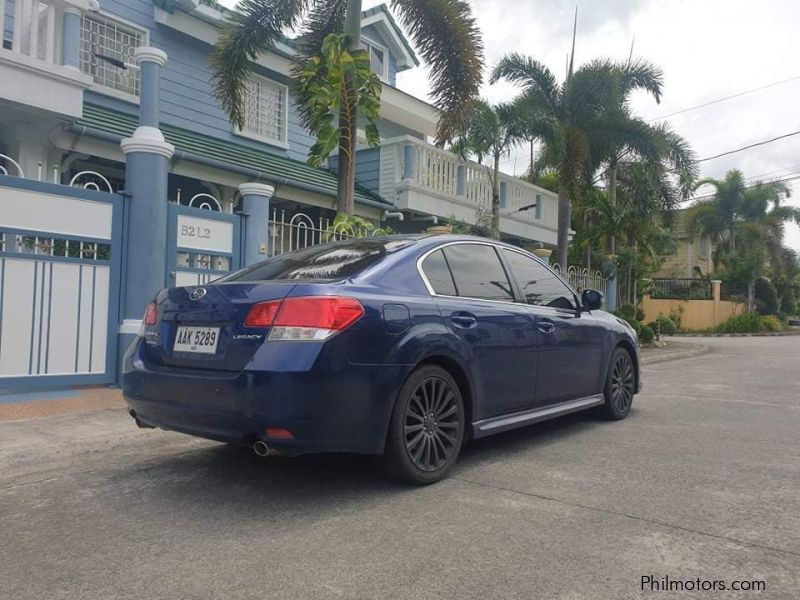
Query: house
column 120, row 174
column 71, row 92
column 693, row 255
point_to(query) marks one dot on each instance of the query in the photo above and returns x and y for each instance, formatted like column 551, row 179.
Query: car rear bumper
column 326, row 410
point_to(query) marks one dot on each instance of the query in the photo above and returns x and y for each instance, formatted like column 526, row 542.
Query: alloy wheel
column 431, row 424
column 622, row 383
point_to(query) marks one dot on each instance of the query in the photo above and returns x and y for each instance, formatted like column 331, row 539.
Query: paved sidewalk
column 28, row 405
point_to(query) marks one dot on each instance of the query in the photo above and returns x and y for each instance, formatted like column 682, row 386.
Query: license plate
column 201, row 340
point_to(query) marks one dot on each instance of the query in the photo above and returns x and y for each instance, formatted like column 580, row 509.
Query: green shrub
column 627, row 312
column 677, row 316
column 646, row 334
column 766, row 296
column 771, row 323
column 666, row 325
column 639, row 314
column 637, row 325
column 746, row 323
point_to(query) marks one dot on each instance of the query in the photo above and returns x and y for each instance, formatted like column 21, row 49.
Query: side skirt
column 493, row 425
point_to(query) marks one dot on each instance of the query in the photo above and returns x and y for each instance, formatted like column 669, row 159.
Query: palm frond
column 640, row 74
column 536, row 80
column 254, row 28
column 448, row 39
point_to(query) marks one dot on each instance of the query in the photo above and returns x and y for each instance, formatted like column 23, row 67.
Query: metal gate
column 59, row 284
column 201, row 245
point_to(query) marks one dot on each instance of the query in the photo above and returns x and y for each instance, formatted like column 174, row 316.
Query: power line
column 754, row 145
column 748, row 187
column 718, row 100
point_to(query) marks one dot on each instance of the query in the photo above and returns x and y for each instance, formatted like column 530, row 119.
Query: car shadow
column 224, row 479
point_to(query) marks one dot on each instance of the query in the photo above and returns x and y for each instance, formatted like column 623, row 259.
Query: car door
column 476, row 301
column 569, row 340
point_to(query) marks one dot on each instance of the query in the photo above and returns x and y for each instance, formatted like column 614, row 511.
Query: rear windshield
column 337, row 260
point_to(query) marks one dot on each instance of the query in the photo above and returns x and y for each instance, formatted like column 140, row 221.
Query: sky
column 708, row 49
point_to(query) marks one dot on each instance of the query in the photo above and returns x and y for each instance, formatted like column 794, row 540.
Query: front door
column 569, row 341
column 476, row 301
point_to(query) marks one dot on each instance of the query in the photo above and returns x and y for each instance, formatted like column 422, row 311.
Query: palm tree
column 574, row 115
column 491, row 132
column 748, row 220
column 445, row 33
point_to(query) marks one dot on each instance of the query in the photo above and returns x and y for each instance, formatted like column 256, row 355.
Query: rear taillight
column 150, row 314
column 150, row 318
column 263, row 314
column 306, row 318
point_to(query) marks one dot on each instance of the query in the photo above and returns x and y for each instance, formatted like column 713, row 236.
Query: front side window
column 265, row 110
column 478, row 272
column 107, row 48
column 540, row 286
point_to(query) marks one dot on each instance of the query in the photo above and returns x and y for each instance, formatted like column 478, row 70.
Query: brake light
column 305, row 318
column 150, row 314
column 262, row 314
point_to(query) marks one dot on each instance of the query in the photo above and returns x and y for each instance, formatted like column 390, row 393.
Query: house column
column 147, row 157
column 71, row 38
column 461, row 180
column 409, row 161
column 255, row 212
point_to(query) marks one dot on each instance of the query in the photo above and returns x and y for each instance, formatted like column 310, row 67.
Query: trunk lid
column 215, row 312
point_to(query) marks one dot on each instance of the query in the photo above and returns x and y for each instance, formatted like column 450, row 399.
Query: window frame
column 519, row 297
column 144, row 41
column 262, row 138
column 521, row 292
column 384, row 77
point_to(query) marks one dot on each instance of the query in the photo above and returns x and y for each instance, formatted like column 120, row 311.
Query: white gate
column 59, row 284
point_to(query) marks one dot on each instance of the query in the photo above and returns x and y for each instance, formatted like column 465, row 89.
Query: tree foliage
column 335, row 87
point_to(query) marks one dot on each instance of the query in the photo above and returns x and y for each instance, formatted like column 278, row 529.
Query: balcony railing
column 40, row 29
column 410, row 161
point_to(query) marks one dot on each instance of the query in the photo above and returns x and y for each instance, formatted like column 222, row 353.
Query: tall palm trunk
column 564, row 222
column 495, row 232
column 612, row 201
column 530, row 167
column 348, row 117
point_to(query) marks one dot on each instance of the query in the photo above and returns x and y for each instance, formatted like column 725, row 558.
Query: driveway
column 701, row 481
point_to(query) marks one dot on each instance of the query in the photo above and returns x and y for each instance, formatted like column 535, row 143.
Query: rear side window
column 338, row 260
column 478, row 272
column 539, row 284
column 438, row 274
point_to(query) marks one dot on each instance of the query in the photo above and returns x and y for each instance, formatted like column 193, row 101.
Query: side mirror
column 591, row 299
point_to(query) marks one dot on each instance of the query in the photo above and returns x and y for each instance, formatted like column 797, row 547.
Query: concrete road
column 702, row 481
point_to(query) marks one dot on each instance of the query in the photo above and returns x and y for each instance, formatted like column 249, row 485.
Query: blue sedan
column 403, row 347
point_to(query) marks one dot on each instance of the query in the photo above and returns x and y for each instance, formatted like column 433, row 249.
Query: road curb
column 758, row 334
column 676, row 354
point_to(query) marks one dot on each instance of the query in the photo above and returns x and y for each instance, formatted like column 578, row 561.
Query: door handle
column 464, row 320
column 545, row 326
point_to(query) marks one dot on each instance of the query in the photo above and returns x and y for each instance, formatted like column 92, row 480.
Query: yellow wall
column 697, row 314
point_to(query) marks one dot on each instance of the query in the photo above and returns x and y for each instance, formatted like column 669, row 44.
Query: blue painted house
column 121, row 174
column 58, row 120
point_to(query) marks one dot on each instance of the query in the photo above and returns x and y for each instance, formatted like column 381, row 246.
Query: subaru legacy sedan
column 402, row 347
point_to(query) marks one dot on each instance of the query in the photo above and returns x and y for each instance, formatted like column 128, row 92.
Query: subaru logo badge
column 198, row 293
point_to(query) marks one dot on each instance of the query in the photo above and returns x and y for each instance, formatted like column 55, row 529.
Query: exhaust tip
column 261, row 448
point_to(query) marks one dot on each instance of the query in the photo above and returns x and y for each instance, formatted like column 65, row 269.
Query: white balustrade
column 34, row 29
column 437, row 170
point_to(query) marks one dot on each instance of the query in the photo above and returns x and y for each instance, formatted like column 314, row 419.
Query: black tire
column 427, row 428
column 620, row 386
